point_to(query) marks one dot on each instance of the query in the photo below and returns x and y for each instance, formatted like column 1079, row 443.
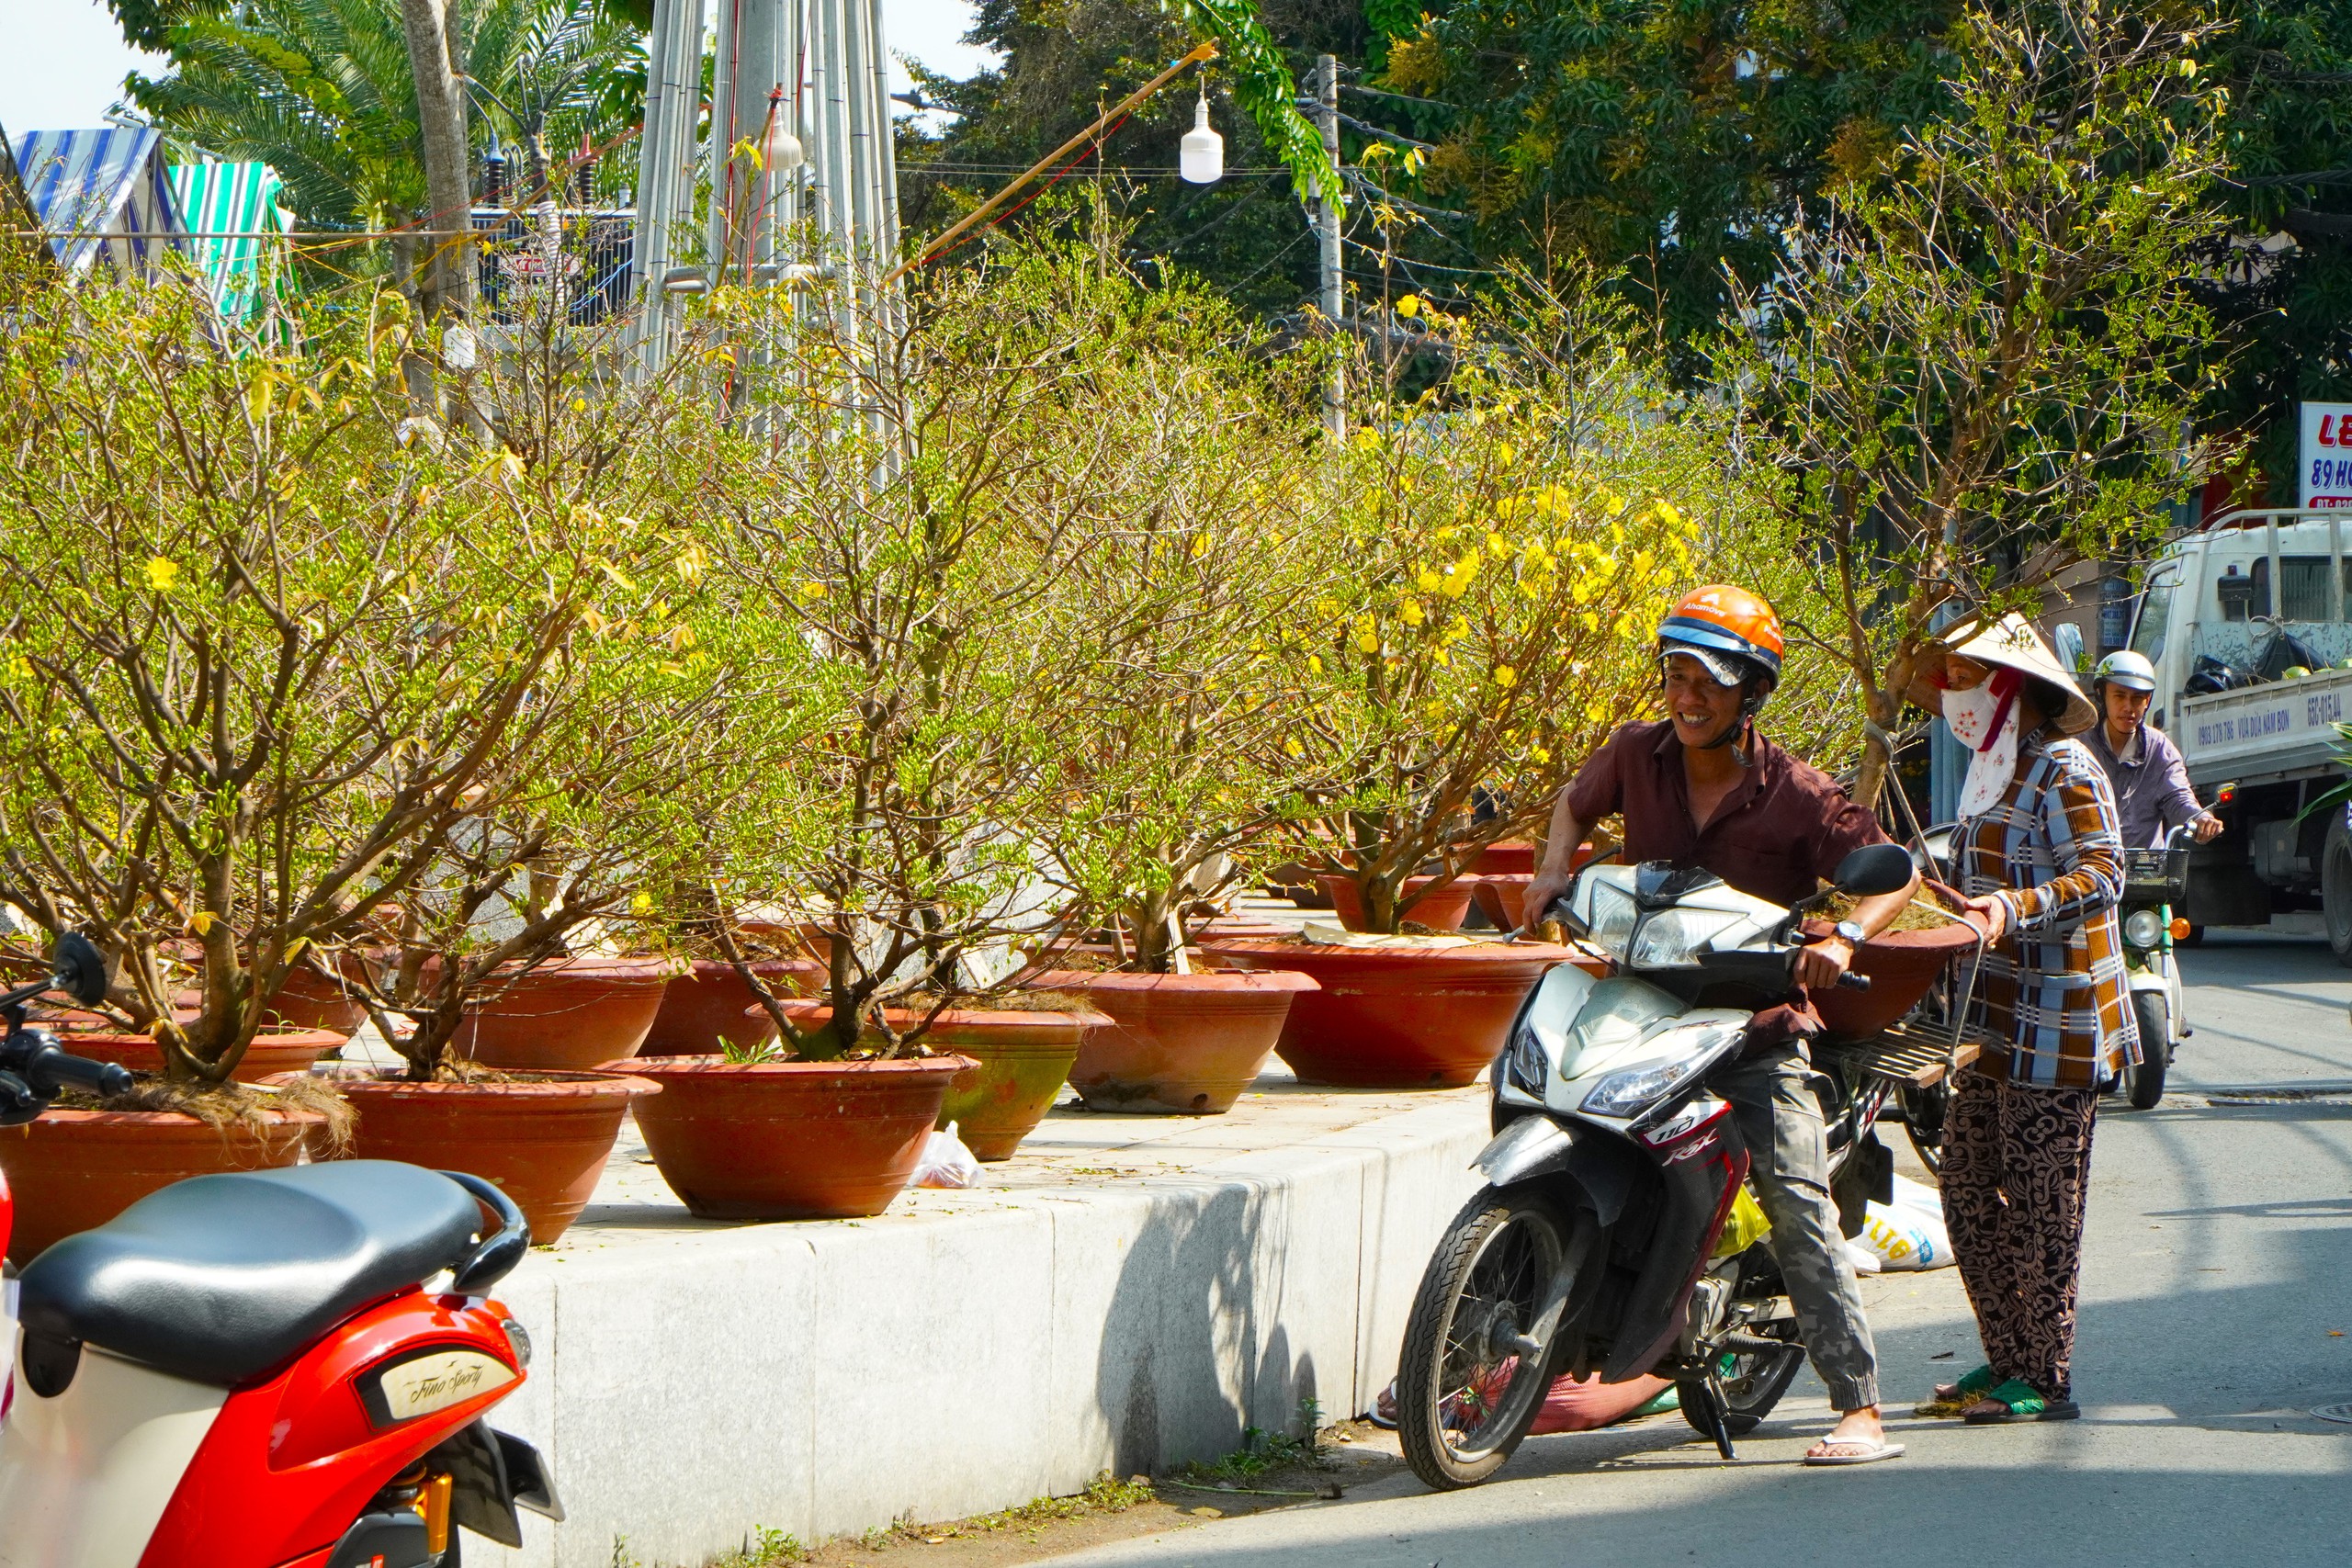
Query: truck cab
column 2245, row 622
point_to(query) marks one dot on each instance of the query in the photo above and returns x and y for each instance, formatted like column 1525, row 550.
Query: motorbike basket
column 2155, row 877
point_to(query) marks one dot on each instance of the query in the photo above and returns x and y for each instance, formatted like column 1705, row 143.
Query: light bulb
column 783, row 150
column 1200, row 155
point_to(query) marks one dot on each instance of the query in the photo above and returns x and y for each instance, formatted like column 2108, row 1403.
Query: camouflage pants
column 1773, row 1099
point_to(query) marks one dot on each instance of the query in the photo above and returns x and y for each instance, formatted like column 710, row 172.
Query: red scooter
column 246, row 1370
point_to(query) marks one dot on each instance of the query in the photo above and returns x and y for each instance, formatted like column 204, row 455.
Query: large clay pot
column 272, row 1052
column 1020, row 1061
column 72, row 1171
column 789, row 1140
column 1901, row 967
column 1176, row 1044
column 1503, row 899
column 1512, row 857
column 710, row 1006
column 311, row 1001
column 1390, row 1017
column 1441, row 912
column 566, row 1015
column 542, row 1140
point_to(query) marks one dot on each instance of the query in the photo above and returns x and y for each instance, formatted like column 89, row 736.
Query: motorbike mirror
column 80, row 969
column 1875, row 869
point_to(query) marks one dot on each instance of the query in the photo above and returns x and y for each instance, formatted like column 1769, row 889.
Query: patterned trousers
column 2017, row 1166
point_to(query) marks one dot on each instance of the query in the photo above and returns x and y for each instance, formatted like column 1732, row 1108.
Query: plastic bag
column 1744, row 1226
column 1907, row 1233
column 947, row 1162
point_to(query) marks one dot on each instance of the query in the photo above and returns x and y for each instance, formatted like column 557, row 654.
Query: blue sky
column 65, row 63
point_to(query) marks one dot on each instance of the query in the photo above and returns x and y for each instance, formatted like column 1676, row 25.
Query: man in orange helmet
column 1703, row 787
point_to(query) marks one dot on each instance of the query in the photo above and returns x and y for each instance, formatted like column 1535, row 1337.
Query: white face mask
column 1985, row 719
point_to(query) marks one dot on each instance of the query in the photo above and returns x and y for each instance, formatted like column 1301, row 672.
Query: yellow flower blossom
column 812, row 592
column 162, row 576
column 1290, row 745
column 1499, row 546
column 1411, row 611
column 1506, row 677
column 1410, row 306
column 640, row 904
column 1429, row 582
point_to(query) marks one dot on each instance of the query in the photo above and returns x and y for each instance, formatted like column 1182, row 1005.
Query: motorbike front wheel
column 2144, row 1083
column 1471, row 1380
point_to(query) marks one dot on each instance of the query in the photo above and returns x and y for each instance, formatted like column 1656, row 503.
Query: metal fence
column 589, row 260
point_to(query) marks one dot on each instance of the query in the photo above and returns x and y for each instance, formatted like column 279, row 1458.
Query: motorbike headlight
column 1628, row 1093
column 1527, row 1065
column 1674, row 938
column 2143, row 927
column 1614, row 915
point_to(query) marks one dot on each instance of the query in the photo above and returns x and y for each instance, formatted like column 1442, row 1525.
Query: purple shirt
column 2151, row 784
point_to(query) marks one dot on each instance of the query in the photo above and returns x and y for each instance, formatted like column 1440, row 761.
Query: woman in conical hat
column 2038, row 856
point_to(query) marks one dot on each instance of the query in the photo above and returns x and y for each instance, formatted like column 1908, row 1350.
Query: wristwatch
column 1854, row 934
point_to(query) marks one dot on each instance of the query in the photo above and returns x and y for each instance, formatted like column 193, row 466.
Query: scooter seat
column 219, row 1279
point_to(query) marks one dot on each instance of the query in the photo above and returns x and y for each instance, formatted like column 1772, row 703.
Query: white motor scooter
column 2155, row 883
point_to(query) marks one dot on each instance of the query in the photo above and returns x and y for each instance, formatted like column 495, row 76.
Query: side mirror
column 1875, row 869
column 80, row 969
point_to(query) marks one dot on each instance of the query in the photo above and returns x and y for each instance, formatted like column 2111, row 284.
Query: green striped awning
column 239, row 233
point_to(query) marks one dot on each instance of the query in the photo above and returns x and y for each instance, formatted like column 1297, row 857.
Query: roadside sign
column 2327, row 455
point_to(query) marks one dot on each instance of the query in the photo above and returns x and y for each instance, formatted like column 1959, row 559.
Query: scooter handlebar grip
column 1850, row 981
column 51, row 1069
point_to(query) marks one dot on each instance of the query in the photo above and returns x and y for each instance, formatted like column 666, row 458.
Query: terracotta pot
column 310, row 1001
column 566, row 1015
column 273, row 1051
column 72, row 1171
column 1901, row 965
column 1440, row 911
column 1503, row 898
column 1020, row 1061
column 1176, row 1044
column 789, row 1140
column 711, row 1005
column 1392, row 1019
column 541, row 1140
column 1512, row 857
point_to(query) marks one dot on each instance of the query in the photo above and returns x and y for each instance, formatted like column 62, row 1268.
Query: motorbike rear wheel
column 1470, row 1382
column 1923, row 1121
column 2144, row 1083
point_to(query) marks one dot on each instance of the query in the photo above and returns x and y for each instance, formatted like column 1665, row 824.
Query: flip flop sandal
column 2016, row 1400
column 1951, row 1398
column 1870, row 1451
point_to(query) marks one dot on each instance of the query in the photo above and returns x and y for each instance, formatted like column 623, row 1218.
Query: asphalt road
column 2216, row 1314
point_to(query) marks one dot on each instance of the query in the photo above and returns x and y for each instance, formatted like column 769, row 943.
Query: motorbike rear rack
column 1914, row 1053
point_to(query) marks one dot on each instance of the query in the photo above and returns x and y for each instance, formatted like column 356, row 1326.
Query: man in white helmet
column 2152, row 792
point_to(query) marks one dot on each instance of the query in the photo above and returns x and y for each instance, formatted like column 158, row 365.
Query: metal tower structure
column 797, row 83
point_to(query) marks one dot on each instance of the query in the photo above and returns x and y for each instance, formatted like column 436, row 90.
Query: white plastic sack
column 1907, row 1234
column 947, row 1162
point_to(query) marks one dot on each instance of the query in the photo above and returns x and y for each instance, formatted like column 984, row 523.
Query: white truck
column 2258, row 599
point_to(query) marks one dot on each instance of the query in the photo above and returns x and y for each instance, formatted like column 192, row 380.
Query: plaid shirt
column 2053, row 985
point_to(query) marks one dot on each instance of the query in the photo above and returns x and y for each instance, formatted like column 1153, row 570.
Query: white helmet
column 2125, row 669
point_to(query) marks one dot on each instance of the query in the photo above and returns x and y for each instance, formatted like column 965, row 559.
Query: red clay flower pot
column 1502, row 898
column 1512, row 857
column 72, row 1170
column 311, row 1001
column 542, row 1140
column 789, row 1140
column 1901, row 965
column 1441, row 912
column 1020, row 1061
column 1176, row 1044
column 273, row 1051
column 710, row 1006
column 1388, row 1017
column 566, row 1015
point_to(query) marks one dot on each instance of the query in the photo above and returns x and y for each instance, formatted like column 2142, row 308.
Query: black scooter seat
column 219, row 1279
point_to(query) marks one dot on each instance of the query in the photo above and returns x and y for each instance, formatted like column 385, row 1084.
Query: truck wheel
column 2145, row 1083
column 2335, row 889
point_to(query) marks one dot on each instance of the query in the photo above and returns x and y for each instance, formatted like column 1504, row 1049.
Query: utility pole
column 1329, row 214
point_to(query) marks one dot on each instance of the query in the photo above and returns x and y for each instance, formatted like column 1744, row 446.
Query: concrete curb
column 826, row 1379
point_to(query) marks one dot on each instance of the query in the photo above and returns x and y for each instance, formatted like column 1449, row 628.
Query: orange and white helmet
column 1731, row 631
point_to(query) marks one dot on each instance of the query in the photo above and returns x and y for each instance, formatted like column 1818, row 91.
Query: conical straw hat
column 2012, row 643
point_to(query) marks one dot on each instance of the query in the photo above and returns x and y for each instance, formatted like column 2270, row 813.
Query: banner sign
column 2327, row 455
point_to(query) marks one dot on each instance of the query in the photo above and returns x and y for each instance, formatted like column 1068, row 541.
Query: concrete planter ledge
column 1128, row 1293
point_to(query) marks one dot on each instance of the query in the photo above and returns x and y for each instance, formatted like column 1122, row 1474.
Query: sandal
column 1868, row 1451
column 1951, row 1398
column 2017, row 1400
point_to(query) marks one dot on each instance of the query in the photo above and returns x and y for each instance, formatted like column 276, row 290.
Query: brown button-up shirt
column 1778, row 835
